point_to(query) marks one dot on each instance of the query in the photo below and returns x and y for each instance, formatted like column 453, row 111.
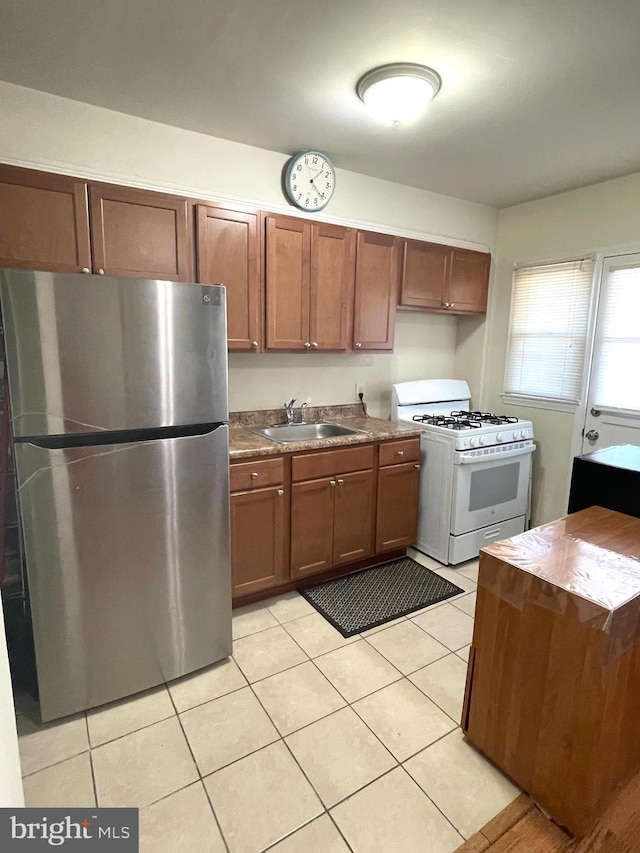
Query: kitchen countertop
column 243, row 443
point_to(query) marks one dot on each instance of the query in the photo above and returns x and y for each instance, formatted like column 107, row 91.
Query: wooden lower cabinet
column 324, row 514
column 331, row 522
column 259, row 508
column 397, row 498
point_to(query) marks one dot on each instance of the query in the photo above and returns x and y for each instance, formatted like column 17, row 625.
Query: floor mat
column 374, row 596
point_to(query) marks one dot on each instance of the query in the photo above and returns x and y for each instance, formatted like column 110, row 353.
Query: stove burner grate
column 485, row 417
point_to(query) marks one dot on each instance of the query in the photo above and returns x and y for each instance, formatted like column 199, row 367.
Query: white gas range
column 475, row 481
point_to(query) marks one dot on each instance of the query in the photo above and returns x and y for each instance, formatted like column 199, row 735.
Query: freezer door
column 127, row 551
column 88, row 352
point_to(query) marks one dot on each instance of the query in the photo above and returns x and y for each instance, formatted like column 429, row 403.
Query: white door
column 613, row 401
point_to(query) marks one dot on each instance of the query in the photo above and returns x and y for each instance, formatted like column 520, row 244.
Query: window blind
column 616, row 384
column 548, row 329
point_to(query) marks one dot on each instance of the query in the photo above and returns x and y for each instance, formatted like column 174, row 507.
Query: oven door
column 490, row 487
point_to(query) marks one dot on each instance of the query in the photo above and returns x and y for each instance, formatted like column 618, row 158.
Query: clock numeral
column 299, row 196
column 299, row 167
column 315, row 160
column 328, row 185
column 295, row 188
column 321, row 195
column 327, row 174
column 306, row 201
column 315, row 201
column 306, row 161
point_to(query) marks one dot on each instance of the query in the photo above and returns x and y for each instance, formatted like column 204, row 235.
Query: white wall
column 11, row 795
column 565, row 225
column 57, row 134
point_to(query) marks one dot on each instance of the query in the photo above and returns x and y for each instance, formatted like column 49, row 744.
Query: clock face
column 310, row 180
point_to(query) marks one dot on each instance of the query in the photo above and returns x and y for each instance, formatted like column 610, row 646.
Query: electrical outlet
column 359, row 390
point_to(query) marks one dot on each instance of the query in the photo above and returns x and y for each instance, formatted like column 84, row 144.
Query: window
column 548, row 330
column 615, row 385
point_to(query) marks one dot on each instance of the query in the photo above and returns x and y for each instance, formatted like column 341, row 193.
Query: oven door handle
column 462, row 459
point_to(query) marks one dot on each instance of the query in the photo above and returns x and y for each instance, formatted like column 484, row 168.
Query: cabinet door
column 353, row 517
column 257, row 540
column 287, row 279
column 139, row 233
column 397, row 511
column 331, row 287
column 425, row 268
column 468, row 281
column 44, row 221
column 228, row 253
column 312, row 526
column 375, row 291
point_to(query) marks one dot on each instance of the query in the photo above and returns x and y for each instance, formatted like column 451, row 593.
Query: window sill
column 538, row 403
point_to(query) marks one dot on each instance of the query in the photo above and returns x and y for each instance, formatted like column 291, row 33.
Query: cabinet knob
column 417, row 466
column 399, row 452
column 446, row 304
column 280, row 492
column 307, row 345
column 254, row 344
column 452, row 305
column 100, row 272
column 254, row 475
column 332, row 482
column 85, row 270
column 314, row 344
column 340, row 482
column 358, row 345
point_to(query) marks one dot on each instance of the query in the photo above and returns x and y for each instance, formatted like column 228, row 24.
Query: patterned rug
column 374, row 596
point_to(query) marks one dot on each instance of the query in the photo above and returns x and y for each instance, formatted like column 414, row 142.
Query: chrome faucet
column 288, row 407
column 303, row 413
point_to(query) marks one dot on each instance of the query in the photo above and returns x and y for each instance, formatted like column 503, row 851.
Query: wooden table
column 553, row 683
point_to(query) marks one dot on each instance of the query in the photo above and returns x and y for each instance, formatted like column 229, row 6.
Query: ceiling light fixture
column 398, row 93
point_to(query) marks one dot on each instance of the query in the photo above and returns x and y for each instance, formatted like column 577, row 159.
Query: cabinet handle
column 399, row 452
column 358, row 345
column 280, row 492
column 307, row 345
column 417, row 466
column 100, row 272
column 341, row 482
column 254, row 475
column 85, row 270
column 332, row 482
column 254, row 344
column 314, row 344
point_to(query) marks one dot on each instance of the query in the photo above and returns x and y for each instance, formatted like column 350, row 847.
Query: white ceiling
column 538, row 96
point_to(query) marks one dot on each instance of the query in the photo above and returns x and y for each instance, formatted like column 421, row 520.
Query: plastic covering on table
column 586, row 565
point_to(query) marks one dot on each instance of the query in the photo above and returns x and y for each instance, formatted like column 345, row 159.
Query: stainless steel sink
column 285, row 433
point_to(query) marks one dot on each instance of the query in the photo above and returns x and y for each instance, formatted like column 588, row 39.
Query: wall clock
column 310, row 180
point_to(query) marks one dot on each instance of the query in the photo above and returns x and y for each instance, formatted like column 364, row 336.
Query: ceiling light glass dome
column 398, row 93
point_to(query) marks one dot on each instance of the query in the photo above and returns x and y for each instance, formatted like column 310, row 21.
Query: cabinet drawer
column 256, row 475
column 328, row 462
column 393, row 452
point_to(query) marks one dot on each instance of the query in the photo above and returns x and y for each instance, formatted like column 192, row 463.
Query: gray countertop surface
column 243, row 443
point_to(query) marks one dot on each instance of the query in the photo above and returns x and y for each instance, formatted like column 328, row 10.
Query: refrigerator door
column 127, row 550
column 88, row 352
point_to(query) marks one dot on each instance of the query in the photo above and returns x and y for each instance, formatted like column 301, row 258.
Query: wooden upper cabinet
column 228, row 252
column 425, row 270
column 375, row 291
column 287, row 282
column 139, row 233
column 468, row 281
column 333, row 253
column 44, row 221
column 441, row 278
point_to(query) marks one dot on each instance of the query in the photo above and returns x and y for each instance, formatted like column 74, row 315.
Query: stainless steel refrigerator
column 119, row 409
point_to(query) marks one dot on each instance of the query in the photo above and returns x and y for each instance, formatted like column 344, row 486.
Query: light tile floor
column 303, row 742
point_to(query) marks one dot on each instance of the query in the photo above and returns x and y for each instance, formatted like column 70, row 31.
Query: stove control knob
column 517, row 434
column 526, row 433
column 473, row 442
column 500, row 437
column 482, row 439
